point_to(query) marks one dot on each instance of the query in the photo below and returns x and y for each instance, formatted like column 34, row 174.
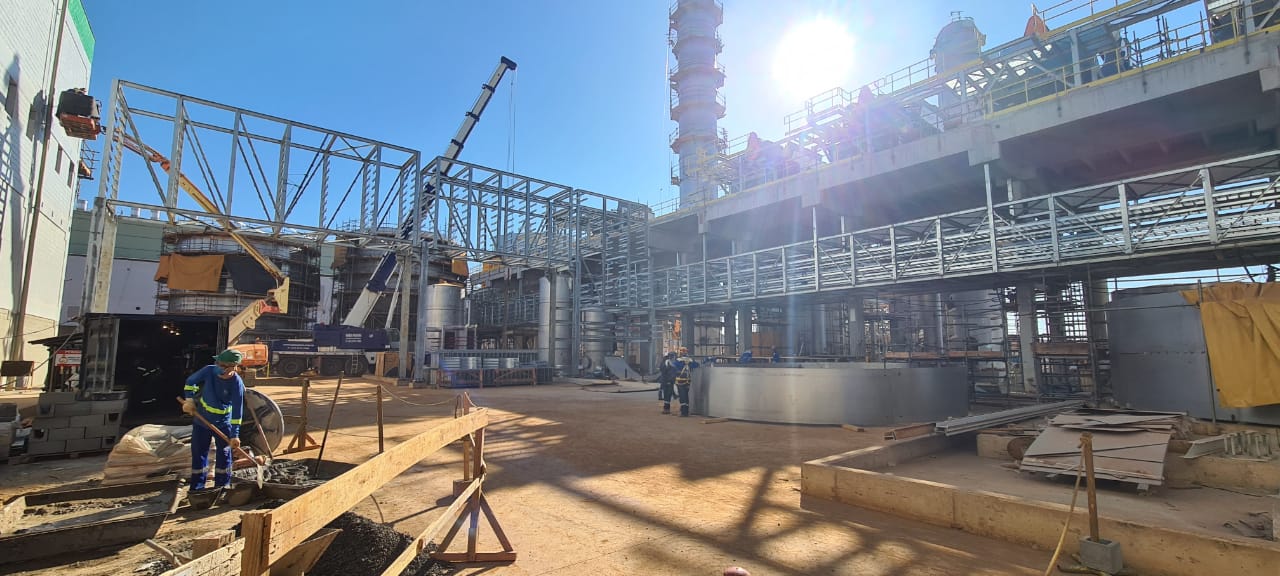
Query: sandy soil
column 600, row 483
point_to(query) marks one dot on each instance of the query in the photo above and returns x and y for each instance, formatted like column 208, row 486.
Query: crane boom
column 377, row 283
column 277, row 300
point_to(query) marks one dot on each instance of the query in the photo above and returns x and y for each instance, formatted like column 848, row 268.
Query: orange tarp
column 1242, row 332
column 190, row 272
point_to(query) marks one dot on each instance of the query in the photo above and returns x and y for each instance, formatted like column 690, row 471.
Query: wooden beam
column 295, row 521
column 256, row 526
column 910, row 431
column 415, row 548
column 300, row 560
column 463, row 557
column 207, row 543
column 220, row 562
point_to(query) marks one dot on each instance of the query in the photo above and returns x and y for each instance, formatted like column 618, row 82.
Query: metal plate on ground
column 261, row 413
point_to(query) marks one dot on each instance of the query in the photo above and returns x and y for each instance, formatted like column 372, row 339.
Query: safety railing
column 1197, row 208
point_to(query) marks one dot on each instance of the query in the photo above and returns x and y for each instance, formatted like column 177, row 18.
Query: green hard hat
column 229, row 357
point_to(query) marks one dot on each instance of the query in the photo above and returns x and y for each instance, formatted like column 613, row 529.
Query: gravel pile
column 367, row 547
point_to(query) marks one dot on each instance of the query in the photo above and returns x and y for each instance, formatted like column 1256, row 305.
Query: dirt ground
column 1204, row 510
column 590, row 482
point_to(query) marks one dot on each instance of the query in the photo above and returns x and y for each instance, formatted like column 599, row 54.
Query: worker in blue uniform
column 683, row 366
column 216, row 393
column 745, row 358
column 667, row 382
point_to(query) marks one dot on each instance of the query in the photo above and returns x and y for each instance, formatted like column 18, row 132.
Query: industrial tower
column 696, row 102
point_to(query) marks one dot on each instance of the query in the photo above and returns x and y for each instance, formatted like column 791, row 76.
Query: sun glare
column 812, row 56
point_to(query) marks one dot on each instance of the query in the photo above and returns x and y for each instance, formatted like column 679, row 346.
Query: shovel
column 224, row 438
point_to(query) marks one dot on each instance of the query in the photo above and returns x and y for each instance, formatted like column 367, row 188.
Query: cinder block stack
column 66, row 425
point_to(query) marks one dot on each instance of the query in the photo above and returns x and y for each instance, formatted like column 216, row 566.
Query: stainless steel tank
column 865, row 394
column 444, row 309
column 597, row 336
column 554, row 328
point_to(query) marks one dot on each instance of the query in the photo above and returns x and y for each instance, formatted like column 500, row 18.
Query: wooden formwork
column 270, row 535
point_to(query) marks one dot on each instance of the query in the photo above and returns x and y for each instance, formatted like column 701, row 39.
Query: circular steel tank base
column 863, row 394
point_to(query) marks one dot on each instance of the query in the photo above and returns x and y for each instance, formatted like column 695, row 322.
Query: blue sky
column 590, row 95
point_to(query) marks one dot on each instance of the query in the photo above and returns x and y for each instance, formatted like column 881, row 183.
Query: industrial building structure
column 964, row 213
column 49, row 48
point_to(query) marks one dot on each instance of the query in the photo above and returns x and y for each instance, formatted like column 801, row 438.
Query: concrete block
column 1270, row 78
column 40, row 448
column 66, row 434
column 111, row 418
column 818, row 481
column 84, row 445
column 52, row 422
column 8, row 411
column 107, row 442
column 57, row 398
column 45, row 408
column 1103, row 555
column 104, row 431
column 107, row 406
column 88, row 421
column 76, row 409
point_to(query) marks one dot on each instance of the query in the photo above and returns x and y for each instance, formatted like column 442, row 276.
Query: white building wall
column 27, row 32
column 133, row 288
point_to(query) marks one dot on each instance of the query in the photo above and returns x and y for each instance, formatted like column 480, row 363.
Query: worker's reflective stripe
column 235, row 421
column 212, row 410
column 190, row 388
column 197, row 471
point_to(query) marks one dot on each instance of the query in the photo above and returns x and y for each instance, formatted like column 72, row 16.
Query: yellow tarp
column 1242, row 331
column 190, row 272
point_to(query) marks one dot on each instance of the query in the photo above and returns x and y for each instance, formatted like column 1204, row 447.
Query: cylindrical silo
column 597, row 336
column 444, row 310
column 555, row 320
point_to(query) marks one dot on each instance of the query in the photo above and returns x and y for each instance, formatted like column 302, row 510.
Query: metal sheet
column 1159, row 360
column 846, row 393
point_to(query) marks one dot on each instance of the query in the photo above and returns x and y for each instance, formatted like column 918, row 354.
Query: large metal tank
column 554, row 337
column 444, row 309
column 597, row 337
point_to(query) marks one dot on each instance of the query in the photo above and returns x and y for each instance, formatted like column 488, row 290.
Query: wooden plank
column 220, row 562
column 497, row 528
column 910, row 431
column 207, row 543
column 301, row 517
column 715, row 420
column 256, row 527
column 415, row 548
column 852, row 428
column 461, row 557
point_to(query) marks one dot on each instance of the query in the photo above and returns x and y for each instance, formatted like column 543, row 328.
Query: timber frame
column 269, row 535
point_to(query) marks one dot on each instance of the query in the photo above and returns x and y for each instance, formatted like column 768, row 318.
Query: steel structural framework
column 275, row 177
column 485, row 214
column 1233, row 203
column 269, row 176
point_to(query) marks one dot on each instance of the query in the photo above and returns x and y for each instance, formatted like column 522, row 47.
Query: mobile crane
column 350, row 344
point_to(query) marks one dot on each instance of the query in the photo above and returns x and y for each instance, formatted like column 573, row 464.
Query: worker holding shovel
column 214, row 395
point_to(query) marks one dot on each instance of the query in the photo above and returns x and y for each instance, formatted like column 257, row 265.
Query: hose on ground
column 1053, row 563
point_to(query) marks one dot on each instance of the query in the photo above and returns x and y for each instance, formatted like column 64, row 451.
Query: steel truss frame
column 279, row 178
column 481, row 213
column 268, row 176
column 1232, row 203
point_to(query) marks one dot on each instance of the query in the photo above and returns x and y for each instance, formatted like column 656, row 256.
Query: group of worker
column 676, row 375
